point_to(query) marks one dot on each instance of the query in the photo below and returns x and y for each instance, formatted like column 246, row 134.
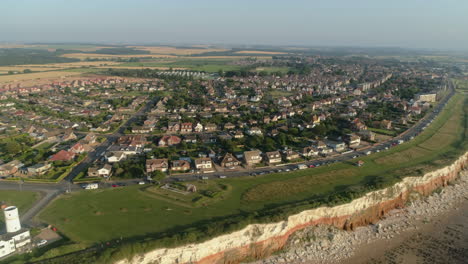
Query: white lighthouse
column 12, row 220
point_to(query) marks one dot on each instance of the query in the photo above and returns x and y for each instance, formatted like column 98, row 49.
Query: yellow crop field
column 32, row 78
column 175, row 51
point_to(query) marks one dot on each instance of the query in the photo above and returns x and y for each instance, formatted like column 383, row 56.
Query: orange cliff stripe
column 266, row 247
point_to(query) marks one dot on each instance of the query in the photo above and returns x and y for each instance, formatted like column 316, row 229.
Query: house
column 367, row 135
column 169, row 140
column 273, row 157
column 252, row 157
column 309, row 152
column 190, row 139
column 115, row 156
column 352, row 140
column 69, row 135
column 290, row 154
column 10, row 168
column 198, row 128
column 173, row 127
column 77, row 148
column 132, row 141
column 104, row 171
column 39, row 169
column 229, row 126
column 204, row 164
column 90, row 138
column 157, row 165
column 229, row 161
column 336, row 145
column 210, row 127
column 254, row 131
column 180, row 165
column 141, row 130
column 186, row 127
column 63, row 155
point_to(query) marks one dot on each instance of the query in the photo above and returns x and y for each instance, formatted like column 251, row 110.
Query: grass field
column 21, row 199
column 100, row 215
column 195, row 63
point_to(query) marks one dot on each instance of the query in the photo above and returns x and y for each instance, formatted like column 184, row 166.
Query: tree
column 158, row 176
column 12, row 148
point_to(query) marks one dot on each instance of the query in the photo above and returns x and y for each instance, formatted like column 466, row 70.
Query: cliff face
column 260, row 240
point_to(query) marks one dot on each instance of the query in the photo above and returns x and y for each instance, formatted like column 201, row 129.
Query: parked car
column 41, row 243
column 141, row 182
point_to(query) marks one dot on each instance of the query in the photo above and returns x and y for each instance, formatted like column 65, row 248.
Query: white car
column 41, row 243
column 141, row 183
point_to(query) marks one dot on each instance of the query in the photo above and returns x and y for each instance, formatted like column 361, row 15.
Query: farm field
column 32, row 78
column 273, row 69
column 21, row 199
column 100, row 215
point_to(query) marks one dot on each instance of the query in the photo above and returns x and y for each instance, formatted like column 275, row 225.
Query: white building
column 16, row 237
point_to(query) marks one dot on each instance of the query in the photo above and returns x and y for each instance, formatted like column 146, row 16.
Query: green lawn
column 273, row 69
column 21, row 199
column 99, row 215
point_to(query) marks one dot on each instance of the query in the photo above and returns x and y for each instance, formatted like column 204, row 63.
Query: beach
column 432, row 229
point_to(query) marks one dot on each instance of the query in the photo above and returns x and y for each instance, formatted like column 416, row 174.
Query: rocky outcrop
column 260, row 240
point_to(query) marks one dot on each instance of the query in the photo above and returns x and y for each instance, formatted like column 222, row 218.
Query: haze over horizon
column 408, row 24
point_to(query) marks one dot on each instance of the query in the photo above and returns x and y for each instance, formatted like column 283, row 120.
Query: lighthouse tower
column 12, row 220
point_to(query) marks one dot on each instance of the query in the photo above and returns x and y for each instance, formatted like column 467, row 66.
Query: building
column 180, row 165
column 229, row 161
column 100, row 171
column 63, row 155
column 167, row 141
column 204, row 164
column 428, row 97
column 273, row 157
column 252, row 157
column 157, row 165
column 39, row 169
column 15, row 237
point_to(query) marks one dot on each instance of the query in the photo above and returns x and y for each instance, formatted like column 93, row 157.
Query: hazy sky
column 440, row 24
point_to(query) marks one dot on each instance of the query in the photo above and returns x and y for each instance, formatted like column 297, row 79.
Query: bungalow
column 180, row 165
column 100, row 171
column 252, row 157
column 157, row 165
column 63, row 155
column 10, row 168
column 69, row 135
column 169, row 140
column 229, row 126
column 39, row 169
column 90, row 138
column 115, row 156
column 273, row 157
column 229, row 161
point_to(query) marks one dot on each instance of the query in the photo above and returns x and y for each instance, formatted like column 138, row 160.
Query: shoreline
column 402, row 235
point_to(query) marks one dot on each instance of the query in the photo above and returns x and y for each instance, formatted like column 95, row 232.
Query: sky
column 428, row 24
